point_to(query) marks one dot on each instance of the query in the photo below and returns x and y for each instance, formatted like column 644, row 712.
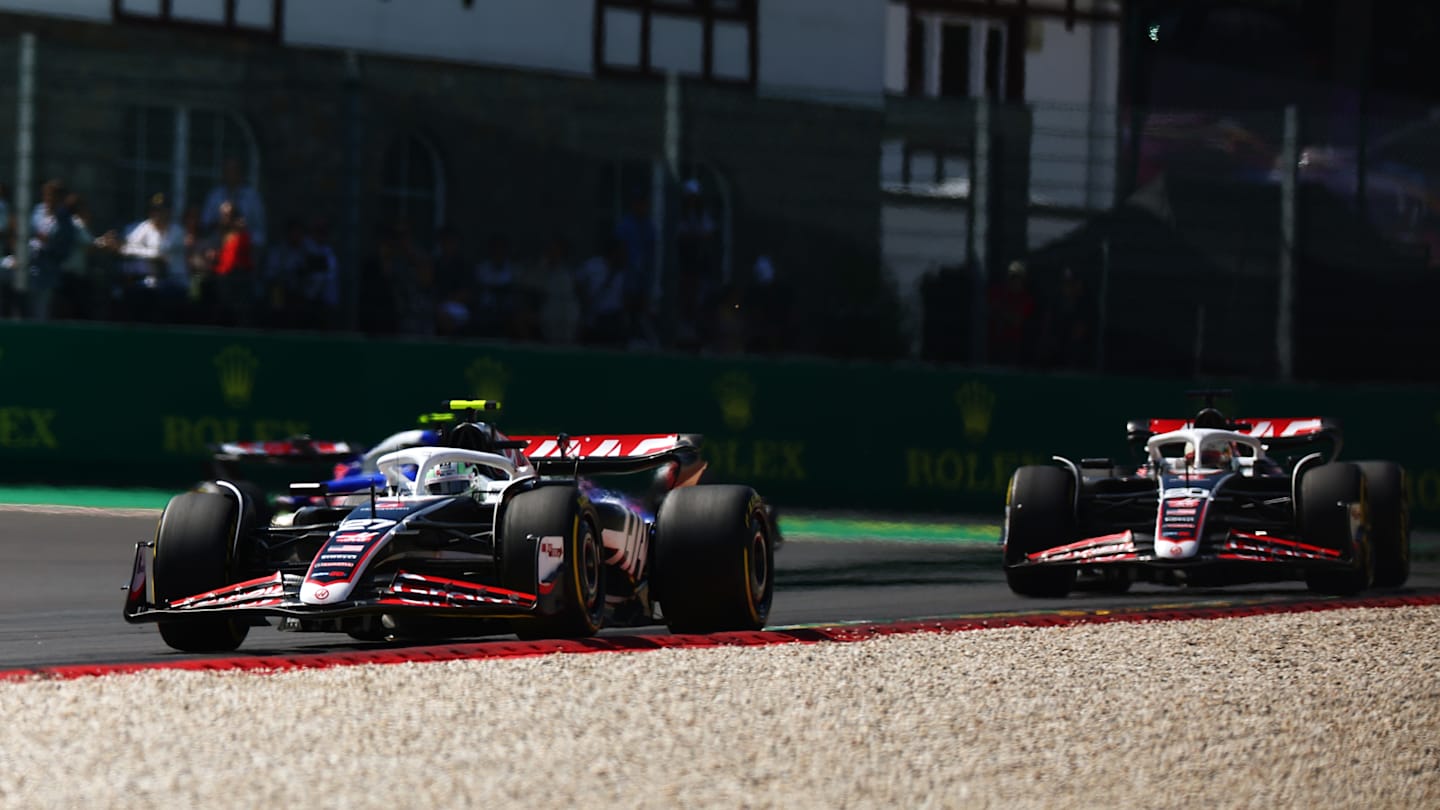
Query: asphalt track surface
column 60, row 592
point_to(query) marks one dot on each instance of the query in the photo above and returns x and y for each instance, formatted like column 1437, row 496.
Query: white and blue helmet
column 450, row 478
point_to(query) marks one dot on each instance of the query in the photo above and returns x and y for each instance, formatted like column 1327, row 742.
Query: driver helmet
column 449, row 478
column 1212, row 455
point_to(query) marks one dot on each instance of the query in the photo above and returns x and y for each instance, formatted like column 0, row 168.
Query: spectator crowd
column 216, row 263
column 1046, row 320
column 210, row 265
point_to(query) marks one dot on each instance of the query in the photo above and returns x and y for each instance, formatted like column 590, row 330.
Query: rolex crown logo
column 237, row 367
column 977, row 405
column 735, row 392
column 487, row 378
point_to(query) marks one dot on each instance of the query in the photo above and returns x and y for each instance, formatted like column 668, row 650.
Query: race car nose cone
column 317, row 593
column 1171, row 550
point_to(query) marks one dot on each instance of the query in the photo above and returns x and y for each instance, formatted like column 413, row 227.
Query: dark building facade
column 126, row 110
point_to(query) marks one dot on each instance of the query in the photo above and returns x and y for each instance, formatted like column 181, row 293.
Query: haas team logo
column 237, row 375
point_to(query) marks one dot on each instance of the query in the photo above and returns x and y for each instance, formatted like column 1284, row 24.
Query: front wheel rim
column 590, row 571
column 759, row 572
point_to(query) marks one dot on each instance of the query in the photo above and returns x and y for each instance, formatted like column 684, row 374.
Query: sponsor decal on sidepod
column 549, row 554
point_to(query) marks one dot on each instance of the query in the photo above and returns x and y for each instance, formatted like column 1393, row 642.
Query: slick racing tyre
column 1039, row 514
column 714, row 559
column 1328, row 494
column 558, row 522
column 192, row 556
column 1389, row 521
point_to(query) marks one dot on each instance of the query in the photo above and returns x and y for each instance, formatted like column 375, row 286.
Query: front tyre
column 554, row 524
column 192, row 556
column 1389, row 521
column 1039, row 515
column 1330, row 496
column 714, row 559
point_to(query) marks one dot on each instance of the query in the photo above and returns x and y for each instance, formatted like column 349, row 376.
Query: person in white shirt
column 492, row 298
column 601, row 284
column 553, row 288
column 154, row 250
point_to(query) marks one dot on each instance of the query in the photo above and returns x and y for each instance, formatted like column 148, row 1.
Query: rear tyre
column 714, row 558
column 192, row 556
column 575, row 608
column 1039, row 514
column 1328, row 493
column 1389, row 521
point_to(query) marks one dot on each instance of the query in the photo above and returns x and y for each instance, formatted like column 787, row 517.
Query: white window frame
column 980, row 27
column 410, row 194
column 179, row 163
column 163, row 16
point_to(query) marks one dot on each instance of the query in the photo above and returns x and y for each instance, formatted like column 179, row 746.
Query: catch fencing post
column 1285, row 316
column 353, row 161
column 24, row 161
column 1102, row 304
column 672, row 123
column 665, row 175
column 980, row 233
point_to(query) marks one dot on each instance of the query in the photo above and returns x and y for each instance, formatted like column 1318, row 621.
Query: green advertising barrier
column 138, row 406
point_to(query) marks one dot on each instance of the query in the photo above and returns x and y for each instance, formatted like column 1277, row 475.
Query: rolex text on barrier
column 141, row 406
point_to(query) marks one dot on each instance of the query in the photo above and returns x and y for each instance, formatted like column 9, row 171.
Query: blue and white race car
column 475, row 533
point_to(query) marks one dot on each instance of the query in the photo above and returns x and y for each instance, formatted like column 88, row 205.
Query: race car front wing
column 278, row 594
column 1234, row 546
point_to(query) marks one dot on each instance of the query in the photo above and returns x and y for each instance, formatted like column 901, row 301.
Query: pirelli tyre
column 194, row 554
column 1039, row 514
column 1389, row 521
column 558, row 521
column 1332, row 496
column 714, row 559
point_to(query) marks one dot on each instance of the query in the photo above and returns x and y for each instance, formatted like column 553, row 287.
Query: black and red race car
column 1211, row 501
column 475, row 534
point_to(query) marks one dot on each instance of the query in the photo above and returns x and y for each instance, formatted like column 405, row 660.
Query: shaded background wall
column 890, row 182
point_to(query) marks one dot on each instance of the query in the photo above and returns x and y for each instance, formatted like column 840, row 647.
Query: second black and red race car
column 1211, row 501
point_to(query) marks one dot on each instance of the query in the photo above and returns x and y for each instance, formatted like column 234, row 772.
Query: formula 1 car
column 480, row 533
column 1211, row 502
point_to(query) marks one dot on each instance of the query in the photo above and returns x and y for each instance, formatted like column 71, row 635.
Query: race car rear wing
column 228, row 459
column 614, row 453
column 1278, row 434
column 297, row 448
column 1272, row 428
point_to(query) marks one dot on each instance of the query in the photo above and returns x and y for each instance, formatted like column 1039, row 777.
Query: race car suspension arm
column 454, row 532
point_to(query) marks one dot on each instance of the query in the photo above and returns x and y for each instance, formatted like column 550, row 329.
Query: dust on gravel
column 1337, row 709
